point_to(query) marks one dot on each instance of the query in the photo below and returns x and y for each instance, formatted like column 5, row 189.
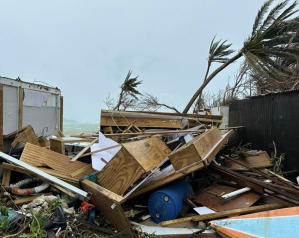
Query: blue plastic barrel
column 168, row 201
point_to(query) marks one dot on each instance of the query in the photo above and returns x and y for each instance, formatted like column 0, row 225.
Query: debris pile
column 143, row 175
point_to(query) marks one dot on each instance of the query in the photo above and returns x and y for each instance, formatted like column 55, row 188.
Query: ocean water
column 79, row 128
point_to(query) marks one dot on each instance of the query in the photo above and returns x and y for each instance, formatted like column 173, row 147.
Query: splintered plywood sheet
column 104, row 200
column 149, row 153
column 211, row 198
column 28, row 135
column 195, row 150
column 122, row 171
column 73, row 167
column 259, row 160
column 38, row 156
column 206, row 142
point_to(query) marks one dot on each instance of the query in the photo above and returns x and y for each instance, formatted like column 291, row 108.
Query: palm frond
column 272, row 15
column 218, row 51
column 259, row 17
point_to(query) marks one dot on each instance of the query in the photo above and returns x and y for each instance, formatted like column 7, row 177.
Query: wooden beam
column 79, row 171
column 162, row 114
column 265, row 186
column 180, row 173
column 13, row 134
column 165, row 132
column 230, row 213
column 141, row 122
column 24, row 171
column 82, row 151
column 1, row 117
column 26, row 200
column 6, row 177
column 97, row 151
column 61, row 114
column 20, row 109
column 60, row 134
column 64, row 190
column 108, row 203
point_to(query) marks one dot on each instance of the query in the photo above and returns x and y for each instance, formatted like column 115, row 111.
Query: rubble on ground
column 142, row 175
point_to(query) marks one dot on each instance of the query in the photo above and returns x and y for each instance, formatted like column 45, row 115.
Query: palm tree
column 270, row 39
column 128, row 88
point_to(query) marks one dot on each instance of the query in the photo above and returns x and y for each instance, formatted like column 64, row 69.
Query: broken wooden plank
column 38, row 157
column 60, row 134
column 81, row 170
column 152, row 133
column 28, row 135
column 256, row 161
column 265, row 175
column 6, row 177
column 26, row 200
column 82, row 151
column 266, row 186
column 13, row 134
column 97, row 151
column 43, row 142
column 234, row 212
column 108, row 203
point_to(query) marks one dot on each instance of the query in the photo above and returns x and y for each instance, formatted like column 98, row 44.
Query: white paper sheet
column 203, row 210
column 107, row 155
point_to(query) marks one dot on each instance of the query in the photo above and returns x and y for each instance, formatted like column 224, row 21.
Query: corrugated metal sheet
column 272, row 117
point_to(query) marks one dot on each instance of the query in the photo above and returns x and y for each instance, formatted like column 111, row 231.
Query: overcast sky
column 86, row 48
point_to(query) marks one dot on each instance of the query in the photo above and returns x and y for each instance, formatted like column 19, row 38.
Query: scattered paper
column 203, row 210
column 107, row 155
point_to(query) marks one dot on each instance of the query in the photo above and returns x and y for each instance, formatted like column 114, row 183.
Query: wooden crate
column 195, row 150
column 131, row 162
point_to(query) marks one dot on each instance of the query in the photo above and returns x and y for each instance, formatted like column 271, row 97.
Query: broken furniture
column 172, row 174
column 132, row 161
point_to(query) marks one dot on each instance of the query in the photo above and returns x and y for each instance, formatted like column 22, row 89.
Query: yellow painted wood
column 82, row 151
